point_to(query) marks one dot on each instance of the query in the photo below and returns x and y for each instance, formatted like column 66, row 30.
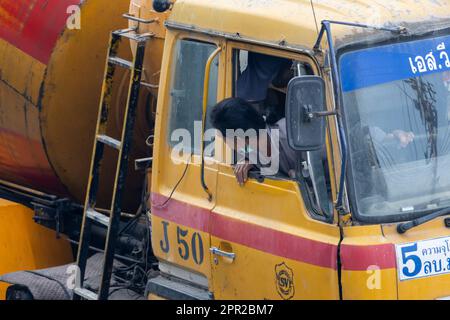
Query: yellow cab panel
column 424, row 285
column 285, row 255
column 380, row 263
column 180, row 206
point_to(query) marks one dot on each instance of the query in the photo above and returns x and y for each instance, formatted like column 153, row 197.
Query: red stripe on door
column 360, row 258
column 257, row 237
column 34, row 26
column 181, row 213
column 353, row 258
column 275, row 242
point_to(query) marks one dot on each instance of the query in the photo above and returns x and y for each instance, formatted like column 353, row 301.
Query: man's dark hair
column 236, row 113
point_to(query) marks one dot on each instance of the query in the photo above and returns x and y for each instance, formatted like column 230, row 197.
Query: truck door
column 277, row 238
column 180, row 204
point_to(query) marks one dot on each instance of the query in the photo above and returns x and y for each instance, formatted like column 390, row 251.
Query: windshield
column 397, row 113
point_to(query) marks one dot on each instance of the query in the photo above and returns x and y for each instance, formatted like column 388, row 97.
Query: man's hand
column 241, row 172
column 404, row 138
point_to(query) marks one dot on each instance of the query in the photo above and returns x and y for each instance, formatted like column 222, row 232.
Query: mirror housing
column 161, row 5
column 306, row 112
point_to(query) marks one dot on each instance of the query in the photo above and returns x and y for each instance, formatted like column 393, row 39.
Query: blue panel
column 369, row 67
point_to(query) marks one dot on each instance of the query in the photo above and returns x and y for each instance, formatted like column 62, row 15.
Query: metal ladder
column 90, row 215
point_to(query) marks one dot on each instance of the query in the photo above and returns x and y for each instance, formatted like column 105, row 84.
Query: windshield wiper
column 405, row 226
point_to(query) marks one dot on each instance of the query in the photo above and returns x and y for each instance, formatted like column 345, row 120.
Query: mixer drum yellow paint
column 52, row 60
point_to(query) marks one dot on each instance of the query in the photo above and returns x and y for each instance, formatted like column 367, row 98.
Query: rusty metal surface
column 50, row 84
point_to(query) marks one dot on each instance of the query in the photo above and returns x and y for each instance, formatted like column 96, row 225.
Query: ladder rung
column 121, row 62
column 143, row 164
column 138, row 37
column 109, row 141
column 86, row 294
column 131, row 17
column 122, row 31
column 97, row 216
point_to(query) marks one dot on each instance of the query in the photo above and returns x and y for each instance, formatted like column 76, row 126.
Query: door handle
column 218, row 252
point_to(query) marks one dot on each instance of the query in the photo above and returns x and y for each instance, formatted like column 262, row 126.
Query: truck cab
column 359, row 94
column 331, row 231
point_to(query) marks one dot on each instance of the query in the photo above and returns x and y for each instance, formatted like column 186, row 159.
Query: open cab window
column 269, row 99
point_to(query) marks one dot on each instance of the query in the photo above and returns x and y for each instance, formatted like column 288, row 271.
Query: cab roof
column 293, row 22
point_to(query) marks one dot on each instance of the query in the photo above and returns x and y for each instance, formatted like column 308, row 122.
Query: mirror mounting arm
column 309, row 115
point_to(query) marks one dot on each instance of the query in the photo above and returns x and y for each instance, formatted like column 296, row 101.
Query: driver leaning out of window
column 235, row 114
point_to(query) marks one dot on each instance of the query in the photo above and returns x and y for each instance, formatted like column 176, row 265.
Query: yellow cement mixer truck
column 363, row 90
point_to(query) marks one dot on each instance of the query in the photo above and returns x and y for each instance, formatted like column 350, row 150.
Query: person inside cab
column 235, row 114
column 263, row 84
column 259, row 107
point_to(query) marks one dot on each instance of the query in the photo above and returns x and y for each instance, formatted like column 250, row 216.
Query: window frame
column 195, row 37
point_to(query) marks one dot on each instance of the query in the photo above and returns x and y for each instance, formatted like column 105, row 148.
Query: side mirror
column 305, row 113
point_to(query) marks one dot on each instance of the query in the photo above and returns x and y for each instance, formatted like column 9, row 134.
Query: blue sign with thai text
column 370, row 67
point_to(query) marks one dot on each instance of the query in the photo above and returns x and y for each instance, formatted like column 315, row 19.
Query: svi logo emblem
column 284, row 281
